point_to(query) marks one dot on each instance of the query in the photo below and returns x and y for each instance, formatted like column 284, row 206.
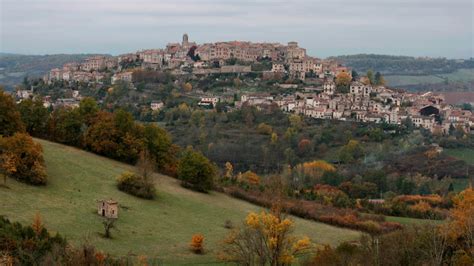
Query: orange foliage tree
column 461, row 227
column 250, row 178
column 197, row 244
column 22, row 159
column 37, row 224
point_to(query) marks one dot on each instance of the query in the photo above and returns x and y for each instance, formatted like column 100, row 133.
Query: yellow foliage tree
column 315, row 168
column 187, row 87
column 229, row 170
column 266, row 239
column 250, row 178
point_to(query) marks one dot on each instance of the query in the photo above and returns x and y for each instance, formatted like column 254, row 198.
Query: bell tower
column 185, row 40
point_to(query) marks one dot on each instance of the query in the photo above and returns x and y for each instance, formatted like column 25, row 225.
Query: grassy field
column 461, row 75
column 411, row 221
column 160, row 228
column 466, row 155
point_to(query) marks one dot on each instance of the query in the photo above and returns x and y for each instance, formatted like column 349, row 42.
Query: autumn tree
column 187, row 87
column 37, row 224
column 10, row 118
column 249, row 177
column 229, row 170
column 304, row 146
column 309, row 173
column 343, row 81
column 21, row 158
column 264, row 129
column 264, row 239
column 197, row 243
column 101, row 137
column 461, row 226
column 196, row 171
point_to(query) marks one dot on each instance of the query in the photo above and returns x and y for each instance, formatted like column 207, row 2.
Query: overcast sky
column 325, row 28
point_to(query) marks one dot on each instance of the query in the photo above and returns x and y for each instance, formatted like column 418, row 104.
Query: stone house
column 107, row 208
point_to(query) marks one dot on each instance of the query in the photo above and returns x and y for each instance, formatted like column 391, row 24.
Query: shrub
column 196, row 171
column 228, row 224
column 264, row 129
column 136, row 185
column 197, row 244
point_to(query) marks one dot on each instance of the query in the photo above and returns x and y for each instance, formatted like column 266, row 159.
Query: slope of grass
column 160, row 228
column 411, row 221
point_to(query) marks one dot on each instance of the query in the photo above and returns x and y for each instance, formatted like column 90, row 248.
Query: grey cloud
column 415, row 27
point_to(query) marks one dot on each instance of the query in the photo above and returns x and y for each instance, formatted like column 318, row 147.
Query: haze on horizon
column 436, row 28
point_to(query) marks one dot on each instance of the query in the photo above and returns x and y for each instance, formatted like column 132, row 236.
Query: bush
column 136, row 185
column 228, row 224
column 197, row 244
column 196, row 171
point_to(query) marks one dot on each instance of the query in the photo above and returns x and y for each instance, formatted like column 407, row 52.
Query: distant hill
column 404, row 65
column 15, row 67
column 416, row 73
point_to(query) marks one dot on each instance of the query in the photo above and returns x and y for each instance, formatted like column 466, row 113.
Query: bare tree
column 109, row 224
column 145, row 165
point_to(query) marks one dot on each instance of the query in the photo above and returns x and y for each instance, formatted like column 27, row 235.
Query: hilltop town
column 317, row 88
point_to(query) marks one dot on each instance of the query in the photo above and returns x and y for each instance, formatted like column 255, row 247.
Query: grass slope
column 160, row 228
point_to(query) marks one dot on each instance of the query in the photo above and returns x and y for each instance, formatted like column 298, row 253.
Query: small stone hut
column 107, row 208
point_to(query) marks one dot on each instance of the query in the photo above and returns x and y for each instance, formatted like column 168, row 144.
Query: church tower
column 185, row 40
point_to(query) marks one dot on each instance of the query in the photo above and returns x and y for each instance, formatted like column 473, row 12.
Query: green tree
column 65, row 126
column 196, row 171
column 88, row 109
column 10, row 118
column 354, row 75
column 379, row 80
column 35, row 116
column 351, row 152
column 158, row 143
column 370, row 76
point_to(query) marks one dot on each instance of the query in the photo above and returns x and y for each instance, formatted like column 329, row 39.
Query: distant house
column 156, row 105
column 107, row 208
column 209, row 101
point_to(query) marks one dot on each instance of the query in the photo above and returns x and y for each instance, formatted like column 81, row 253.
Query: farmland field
column 160, row 228
column 461, row 75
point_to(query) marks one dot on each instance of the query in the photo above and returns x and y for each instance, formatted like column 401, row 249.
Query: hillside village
column 313, row 80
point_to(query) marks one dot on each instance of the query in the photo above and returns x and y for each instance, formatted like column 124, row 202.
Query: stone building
column 107, row 208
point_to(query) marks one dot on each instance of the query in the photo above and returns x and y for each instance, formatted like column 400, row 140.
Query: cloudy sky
column 329, row 27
